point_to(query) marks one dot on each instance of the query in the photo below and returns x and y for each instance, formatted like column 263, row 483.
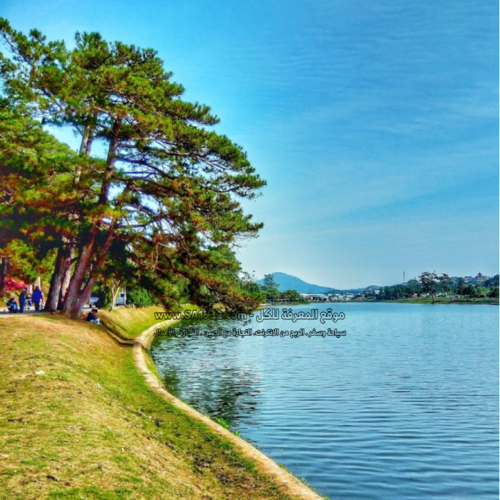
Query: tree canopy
column 159, row 204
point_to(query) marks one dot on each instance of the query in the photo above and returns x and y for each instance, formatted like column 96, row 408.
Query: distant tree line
column 431, row 284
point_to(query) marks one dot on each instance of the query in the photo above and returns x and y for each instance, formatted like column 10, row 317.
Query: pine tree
column 35, row 193
column 168, row 185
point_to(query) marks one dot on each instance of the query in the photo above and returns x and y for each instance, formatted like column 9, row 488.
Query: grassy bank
column 130, row 322
column 79, row 422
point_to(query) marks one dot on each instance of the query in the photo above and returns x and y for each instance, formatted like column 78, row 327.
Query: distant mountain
column 288, row 282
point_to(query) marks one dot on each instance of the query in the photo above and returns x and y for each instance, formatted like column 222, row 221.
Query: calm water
column 404, row 406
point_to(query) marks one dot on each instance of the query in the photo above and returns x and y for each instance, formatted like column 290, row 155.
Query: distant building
column 318, row 297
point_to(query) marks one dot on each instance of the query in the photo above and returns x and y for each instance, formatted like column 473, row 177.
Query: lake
column 404, row 406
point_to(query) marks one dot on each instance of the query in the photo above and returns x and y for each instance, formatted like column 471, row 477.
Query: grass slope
column 78, row 422
column 130, row 322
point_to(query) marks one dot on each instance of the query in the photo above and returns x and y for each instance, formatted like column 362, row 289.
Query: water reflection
column 212, row 377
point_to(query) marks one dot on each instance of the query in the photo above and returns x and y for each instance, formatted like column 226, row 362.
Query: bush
column 140, row 297
column 104, row 295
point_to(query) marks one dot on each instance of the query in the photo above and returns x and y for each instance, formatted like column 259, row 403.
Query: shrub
column 140, row 297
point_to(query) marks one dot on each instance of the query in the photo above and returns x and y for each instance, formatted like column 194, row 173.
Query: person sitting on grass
column 12, row 305
column 92, row 317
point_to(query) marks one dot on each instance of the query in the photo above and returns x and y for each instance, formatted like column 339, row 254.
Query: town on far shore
column 428, row 287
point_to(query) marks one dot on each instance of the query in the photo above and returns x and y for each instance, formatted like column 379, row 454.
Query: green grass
column 129, row 322
column 90, row 428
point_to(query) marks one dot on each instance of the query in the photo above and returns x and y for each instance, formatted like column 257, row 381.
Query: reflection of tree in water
column 231, row 395
column 207, row 374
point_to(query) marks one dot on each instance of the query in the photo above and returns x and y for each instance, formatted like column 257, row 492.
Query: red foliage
column 10, row 284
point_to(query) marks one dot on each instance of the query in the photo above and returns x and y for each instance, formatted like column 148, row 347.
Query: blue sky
column 374, row 123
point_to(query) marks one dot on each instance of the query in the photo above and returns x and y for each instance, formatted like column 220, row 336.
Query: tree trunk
column 83, row 299
column 66, row 279
column 4, row 267
column 74, row 309
column 114, row 292
column 85, row 148
column 76, row 282
column 56, row 280
column 76, row 298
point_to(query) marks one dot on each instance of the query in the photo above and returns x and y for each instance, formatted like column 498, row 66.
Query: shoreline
column 285, row 481
column 487, row 302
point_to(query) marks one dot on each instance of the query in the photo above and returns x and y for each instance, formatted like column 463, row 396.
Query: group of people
column 37, row 299
column 26, row 300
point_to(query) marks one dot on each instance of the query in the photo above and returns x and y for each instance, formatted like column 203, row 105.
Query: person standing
column 22, row 300
column 37, row 297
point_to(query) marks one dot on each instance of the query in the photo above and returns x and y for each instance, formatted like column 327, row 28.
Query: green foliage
column 271, row 295
column 412, row 286
column 492, row 282
column 35, row 186
column 270, row 292
column 469, row 291
column 140, row 297
column 103, row 293
column 270, row 283
column 26, row 262
column 292, row 296
column 433, row 285
column 394, row 292
column 428, row 282
column 222, row 422
column 162, row 210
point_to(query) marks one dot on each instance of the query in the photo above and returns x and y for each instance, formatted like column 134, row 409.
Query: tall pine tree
column 168, row 184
